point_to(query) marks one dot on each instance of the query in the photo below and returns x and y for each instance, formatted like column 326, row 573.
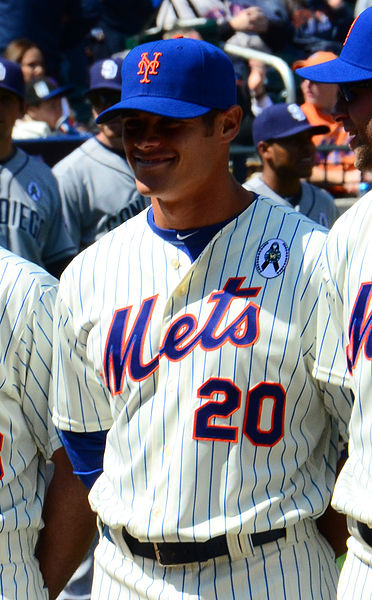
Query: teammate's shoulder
column 33, row 165
column 317, row 191
column 73, row 159
column 112, row 241
column 288, row 214
column 354, row 223
column 16, row 271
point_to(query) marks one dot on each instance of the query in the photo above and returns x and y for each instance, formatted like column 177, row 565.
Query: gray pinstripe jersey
column 30, row 211
column 204, row 369
column 315, row 203
column 98, row 192
column 27, row 435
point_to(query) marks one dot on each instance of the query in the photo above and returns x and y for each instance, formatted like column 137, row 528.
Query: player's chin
column 363, row 157
column 305, row 171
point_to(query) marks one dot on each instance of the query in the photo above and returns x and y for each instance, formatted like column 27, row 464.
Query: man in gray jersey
column 30, row 208
column 283, row 138
column 97, row 188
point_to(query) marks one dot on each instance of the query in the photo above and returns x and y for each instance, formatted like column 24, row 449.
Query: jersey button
column 175, row 263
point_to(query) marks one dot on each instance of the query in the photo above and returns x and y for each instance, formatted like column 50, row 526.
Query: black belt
column 365, row 532
column 180, row 553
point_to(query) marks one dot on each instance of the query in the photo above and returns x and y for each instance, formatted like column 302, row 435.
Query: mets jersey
column 203, row 370
column 30, row 211
column 315, row 203
column 347, row 268
column 98, row 192
column 27, row 435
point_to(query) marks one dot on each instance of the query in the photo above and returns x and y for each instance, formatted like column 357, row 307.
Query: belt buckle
column 158, row 555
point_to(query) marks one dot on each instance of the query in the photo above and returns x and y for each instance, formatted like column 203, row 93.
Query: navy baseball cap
column 105, row 75
column 355, row 60
column 44, row 88
column 177, row 78
column 11, row 77
column 282, row 120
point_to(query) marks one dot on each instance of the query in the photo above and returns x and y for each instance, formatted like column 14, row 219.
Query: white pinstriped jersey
column 204, row 371
column 347, row 267
column 27, row 435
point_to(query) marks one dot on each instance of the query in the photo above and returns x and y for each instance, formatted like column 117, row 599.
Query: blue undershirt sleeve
column 85, row 451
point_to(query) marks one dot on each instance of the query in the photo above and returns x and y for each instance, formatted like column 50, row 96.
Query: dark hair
column 16, row 49
column 209, row 119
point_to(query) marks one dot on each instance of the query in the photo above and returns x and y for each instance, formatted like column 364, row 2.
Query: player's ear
column 230, row 122
column 263, row 148
column 21, row 109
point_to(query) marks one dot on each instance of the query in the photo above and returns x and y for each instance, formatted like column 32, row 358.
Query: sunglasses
column 347, row 90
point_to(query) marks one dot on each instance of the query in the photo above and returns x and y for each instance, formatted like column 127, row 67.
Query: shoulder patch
column 34, row 191
column 272, row 258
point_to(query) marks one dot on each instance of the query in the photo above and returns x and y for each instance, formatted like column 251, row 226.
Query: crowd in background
column 61, row 41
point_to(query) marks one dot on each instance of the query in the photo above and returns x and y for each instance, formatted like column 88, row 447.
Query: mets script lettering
column 360, row 327
column 124, row 353
column 148, row 67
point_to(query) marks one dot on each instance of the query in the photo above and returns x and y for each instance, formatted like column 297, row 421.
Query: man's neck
column 6, row 149
column 285, row 187
column 113, row 145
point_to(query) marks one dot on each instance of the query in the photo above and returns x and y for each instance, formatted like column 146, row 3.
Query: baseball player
column 347, row 273
column 97, row 188
column 283, row 138
column 27, row 440
column 30, row 208
column 188, row 333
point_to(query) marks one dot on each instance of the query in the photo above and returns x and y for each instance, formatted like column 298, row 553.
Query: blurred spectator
column 44, row 111
column 97, row 187
column 318, row 25
column 261, row 24
column 335, row 168
column 118, row 21
column 283, row 138
column 31, row 222
column 54, row 26
column 59, row 29
column 29, row 55
column 361, row 5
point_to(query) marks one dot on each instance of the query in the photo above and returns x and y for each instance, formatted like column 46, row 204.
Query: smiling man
column 179, row 333
column 97, row 187
column 347, row 272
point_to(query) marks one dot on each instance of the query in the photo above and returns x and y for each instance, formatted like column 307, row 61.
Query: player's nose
column 148, row 136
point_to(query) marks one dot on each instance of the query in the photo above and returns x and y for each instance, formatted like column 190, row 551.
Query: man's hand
column 250, row 20
column 69, row 528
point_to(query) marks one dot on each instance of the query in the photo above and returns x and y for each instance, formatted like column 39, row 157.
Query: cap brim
column 12, row 90
column 313, row 129
column 167, row 107
column 334, row 71
column 102, row 86
column 59, row 92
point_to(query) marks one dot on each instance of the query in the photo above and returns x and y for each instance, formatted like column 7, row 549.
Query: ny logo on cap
column 148, row 67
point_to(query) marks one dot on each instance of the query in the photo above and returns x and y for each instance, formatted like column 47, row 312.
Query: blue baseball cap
column 11, row 77
column 177, row 78
column 44, row 88
column 282, row 120
column 105, row 75
column 355, row 60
